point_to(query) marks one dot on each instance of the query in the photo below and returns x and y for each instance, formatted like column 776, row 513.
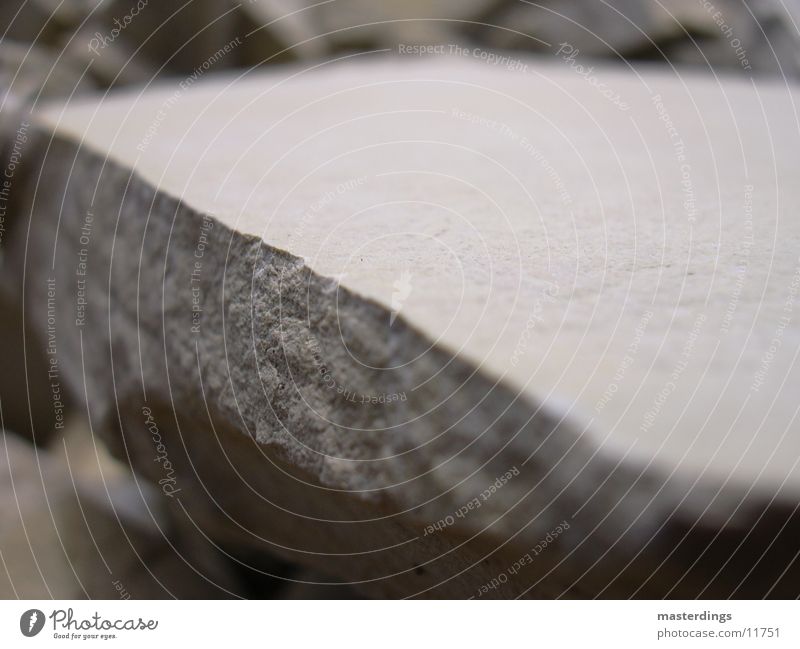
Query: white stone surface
column 538, row 223
column 327, row 309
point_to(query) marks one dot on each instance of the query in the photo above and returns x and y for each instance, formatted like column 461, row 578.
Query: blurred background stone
column 76, row 522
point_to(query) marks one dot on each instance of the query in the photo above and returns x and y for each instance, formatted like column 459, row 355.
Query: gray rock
column 482, row 336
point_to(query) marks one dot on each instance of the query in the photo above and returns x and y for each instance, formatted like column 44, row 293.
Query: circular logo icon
column 31, row 622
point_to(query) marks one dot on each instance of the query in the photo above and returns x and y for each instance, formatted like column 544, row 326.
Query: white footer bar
column 385, row 624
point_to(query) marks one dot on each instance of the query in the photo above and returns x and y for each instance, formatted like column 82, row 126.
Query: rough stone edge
column 617, row 485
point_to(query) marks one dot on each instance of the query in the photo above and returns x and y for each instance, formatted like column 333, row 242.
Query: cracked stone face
column 430, row 325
